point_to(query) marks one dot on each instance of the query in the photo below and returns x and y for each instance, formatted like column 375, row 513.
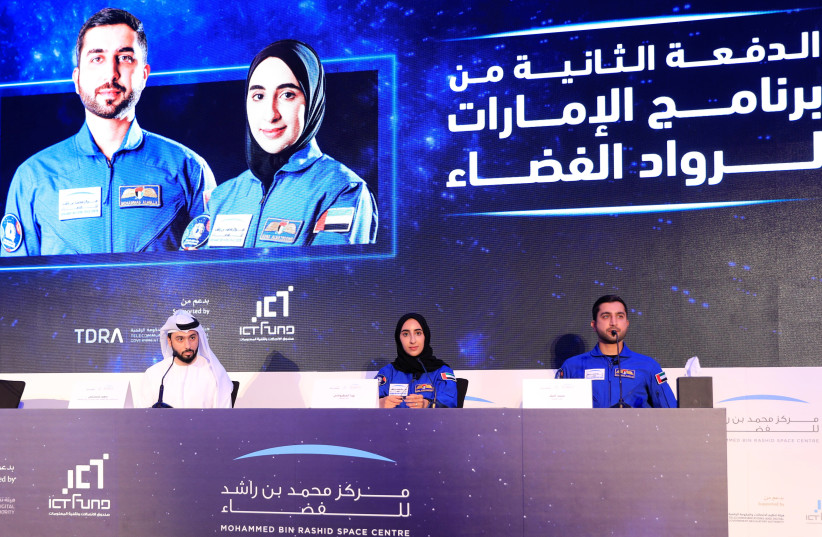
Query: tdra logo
column 98, row 335
column 271, row 308
column 82, row 494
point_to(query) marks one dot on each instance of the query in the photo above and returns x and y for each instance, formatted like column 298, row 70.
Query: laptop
column 11, row 391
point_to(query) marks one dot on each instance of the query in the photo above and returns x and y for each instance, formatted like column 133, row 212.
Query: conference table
column 368, row 472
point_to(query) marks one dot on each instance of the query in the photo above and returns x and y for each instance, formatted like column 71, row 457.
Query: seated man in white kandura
column 189, row 375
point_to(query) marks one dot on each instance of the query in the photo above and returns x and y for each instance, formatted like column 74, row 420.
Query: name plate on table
column 556, row 393
column 101, row 394
column 349, row 393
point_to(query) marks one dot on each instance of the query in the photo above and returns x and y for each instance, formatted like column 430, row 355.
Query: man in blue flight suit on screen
column 112, row 187
column 644, row 383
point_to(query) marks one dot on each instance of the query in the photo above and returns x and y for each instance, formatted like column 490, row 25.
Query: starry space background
column 734, row 286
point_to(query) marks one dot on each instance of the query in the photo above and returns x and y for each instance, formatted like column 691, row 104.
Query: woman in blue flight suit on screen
column 292, row 193
column 417, row 378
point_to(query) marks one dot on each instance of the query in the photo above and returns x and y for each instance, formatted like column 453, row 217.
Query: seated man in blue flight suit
column 644, row 383
column 112, row 187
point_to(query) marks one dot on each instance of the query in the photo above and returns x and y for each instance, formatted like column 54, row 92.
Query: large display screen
column 523, row 161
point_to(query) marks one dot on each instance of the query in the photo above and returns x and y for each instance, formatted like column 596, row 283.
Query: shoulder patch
column 12, row 232
column 196, row 233
column 337, row 220
column 448, row 376
column 661, row 377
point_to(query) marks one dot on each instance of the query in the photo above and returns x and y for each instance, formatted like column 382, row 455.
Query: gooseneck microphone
column 433, row 384
column 160, row 403
column 621, row 402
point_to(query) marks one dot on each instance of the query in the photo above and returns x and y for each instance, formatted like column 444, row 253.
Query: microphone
column 433, row 384
column 621, row 403
column 160, row 403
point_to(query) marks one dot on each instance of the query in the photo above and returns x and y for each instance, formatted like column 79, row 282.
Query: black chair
column 234, row 391
column 11, row 391
column 462, row 389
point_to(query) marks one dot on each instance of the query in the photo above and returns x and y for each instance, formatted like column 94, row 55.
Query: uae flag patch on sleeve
column 661, row 377
column 337, row 220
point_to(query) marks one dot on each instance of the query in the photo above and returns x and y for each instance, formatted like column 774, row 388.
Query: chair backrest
column 11, row 391
column 462, row 389
column 234, row 391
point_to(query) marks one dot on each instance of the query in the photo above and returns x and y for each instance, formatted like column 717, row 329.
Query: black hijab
column 411, row 364
column 307, row 69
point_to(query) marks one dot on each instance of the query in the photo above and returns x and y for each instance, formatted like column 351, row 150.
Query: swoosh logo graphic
column 315, row 449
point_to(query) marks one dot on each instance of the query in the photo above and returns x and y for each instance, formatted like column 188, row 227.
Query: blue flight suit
column 309, row 188
column 644, row 383
column 442, row 383
column 140, row 201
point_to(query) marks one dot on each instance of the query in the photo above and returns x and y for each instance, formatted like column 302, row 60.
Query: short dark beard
column 120, row 111
column 182, row 358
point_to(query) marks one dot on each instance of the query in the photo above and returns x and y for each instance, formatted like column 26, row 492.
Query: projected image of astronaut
column 112, row 187
column 292, row 193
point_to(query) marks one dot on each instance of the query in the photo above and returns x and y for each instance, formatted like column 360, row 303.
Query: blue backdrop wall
column 526, row 158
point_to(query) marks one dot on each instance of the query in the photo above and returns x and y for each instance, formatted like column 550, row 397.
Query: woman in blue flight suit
column 292, row 193
column 416, row 378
